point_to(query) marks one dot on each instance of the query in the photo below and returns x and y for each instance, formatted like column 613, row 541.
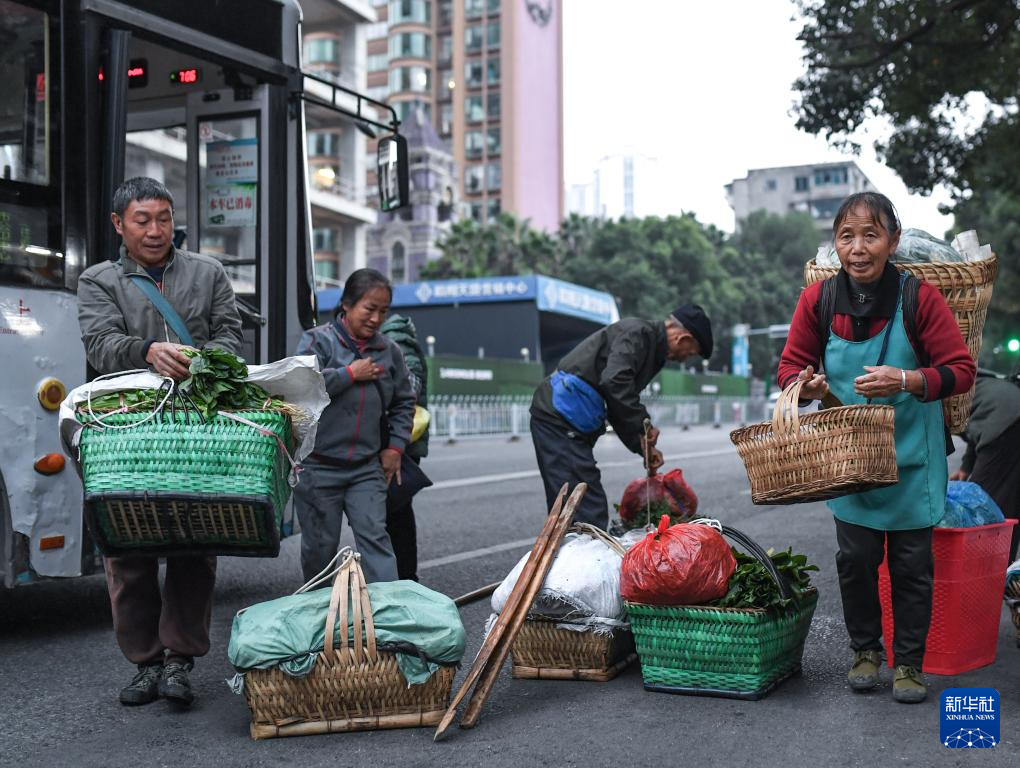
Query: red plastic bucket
column 970, row 574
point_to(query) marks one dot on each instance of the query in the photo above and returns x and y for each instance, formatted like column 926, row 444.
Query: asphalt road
column 60, row 669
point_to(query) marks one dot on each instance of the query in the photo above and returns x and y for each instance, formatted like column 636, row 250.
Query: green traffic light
column 1013, row 345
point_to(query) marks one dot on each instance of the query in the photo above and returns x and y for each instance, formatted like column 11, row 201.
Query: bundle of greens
column 751, row 585
column 217, row 382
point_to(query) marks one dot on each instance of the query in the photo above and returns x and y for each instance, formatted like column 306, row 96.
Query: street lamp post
column 431, row 342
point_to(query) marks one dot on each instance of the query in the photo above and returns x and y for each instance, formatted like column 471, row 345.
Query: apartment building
column 815, row 189
column 335, row 36
column 488, row 75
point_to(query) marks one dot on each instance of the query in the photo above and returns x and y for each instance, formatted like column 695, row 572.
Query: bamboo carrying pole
column 520, row 614
column 504, row 618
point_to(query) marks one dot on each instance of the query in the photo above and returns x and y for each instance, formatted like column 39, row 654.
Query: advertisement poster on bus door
column 232, row 169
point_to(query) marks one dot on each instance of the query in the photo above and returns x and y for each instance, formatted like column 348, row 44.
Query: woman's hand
column 816, row 387
column 959, row 475
column 885, row 381
column 365, row 369
column 390, row 460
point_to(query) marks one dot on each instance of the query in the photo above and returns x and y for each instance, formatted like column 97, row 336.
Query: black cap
column 693, row 318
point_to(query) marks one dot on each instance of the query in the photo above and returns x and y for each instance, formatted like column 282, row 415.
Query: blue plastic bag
column 968, row 505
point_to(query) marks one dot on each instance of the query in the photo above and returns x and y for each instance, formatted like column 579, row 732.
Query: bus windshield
column 29, row 189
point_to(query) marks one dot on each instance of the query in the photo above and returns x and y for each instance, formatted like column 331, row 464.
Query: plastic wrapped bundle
column 968, row 505
column 582, row 588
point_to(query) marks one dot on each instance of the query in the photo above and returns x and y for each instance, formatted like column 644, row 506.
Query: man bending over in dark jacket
column 601, row 380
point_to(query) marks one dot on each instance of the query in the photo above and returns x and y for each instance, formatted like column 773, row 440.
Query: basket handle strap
column 762, row 556
column 340, row 588
column 356, row 581
column 785, row 416
column 366, row 616
column 600, row 535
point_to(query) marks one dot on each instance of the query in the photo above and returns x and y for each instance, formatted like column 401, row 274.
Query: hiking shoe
column 143, row 687
column 908, row 687
column 863, row 675
column 174, row 683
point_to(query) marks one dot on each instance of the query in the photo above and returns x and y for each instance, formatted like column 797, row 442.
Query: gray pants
column 321, row 498
column 566, row 456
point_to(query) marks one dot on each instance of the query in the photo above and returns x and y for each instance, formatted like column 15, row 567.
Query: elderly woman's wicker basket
column 798, row 458
column 543, row 651
column 355, row 687
column 967, row 288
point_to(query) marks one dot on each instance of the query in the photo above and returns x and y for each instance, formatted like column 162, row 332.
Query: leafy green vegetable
column 216, row 383
column 751, row 585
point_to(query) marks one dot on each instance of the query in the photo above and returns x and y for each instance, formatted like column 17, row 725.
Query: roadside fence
column 462, row 416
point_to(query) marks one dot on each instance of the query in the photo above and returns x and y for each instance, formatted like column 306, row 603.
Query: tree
column 506, row 247
column 915, row 62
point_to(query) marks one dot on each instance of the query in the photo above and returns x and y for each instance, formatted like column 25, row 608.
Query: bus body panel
column 39, row 339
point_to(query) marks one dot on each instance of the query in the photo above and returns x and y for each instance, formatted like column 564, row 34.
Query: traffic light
column 1013, row 345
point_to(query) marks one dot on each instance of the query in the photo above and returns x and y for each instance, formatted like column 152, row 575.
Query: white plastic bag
column 583, row 585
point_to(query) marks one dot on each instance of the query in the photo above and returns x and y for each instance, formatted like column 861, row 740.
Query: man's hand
column 167, row 359
column 816, row 387
column 365, row 369
column 959, row 475
column 652, row 437
column 655, row 460
column 390, row 460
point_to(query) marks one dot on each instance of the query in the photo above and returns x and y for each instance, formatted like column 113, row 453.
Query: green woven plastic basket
column 733, row 652
column 174, row 486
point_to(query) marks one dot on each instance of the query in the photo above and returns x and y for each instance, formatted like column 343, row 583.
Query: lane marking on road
column 464, row 482
column 472, row 554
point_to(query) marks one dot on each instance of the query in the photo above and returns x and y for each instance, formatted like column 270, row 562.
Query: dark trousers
column 997, row 470
column 403, row 533
column 148, row 623
column 911, row 570
column 566, row 456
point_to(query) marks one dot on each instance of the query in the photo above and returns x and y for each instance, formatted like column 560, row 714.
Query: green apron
column 918, row 500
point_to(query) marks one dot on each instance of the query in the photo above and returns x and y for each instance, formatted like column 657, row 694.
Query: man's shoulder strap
column 151, row 292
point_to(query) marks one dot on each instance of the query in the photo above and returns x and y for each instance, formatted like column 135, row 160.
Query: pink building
column 488, row 74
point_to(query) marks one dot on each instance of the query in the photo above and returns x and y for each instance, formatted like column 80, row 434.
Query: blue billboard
column 548, row 295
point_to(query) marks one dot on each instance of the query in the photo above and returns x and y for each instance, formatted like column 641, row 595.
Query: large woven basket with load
column 201, row 466
column 577, row 625
column 712, row 621
column 964, row 274
column 352, row 657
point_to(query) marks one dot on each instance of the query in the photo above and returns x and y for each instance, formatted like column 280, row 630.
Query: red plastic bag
column 649, row 498
column 680, row 565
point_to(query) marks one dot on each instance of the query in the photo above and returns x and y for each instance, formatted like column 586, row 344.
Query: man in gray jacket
column 601, row 380
column 123, row 330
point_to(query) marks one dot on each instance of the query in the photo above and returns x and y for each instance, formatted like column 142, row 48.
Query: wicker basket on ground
column 173, row 483
column 967, row 288
column 738, row 653
column 543, row 651
column 797, row 458
column 352, row 687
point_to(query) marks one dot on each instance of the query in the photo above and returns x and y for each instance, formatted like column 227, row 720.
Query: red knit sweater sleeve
column 951, row 370
column 803, row 346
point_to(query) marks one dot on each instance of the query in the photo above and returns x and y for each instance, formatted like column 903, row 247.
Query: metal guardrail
column 461, row 416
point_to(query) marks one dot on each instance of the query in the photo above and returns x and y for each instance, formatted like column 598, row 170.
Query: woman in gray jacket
column 362, row 433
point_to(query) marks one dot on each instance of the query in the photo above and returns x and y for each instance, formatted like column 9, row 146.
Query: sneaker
column 908, row 687
column 143, row 688
column 174, row 683
column 863, row 675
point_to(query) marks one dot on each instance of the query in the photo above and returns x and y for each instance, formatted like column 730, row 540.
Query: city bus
column 207, row 96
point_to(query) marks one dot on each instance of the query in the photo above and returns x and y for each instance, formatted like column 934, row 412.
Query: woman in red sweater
column 869, row 355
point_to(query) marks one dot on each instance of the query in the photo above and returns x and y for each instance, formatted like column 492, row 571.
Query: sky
column 705, row 87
